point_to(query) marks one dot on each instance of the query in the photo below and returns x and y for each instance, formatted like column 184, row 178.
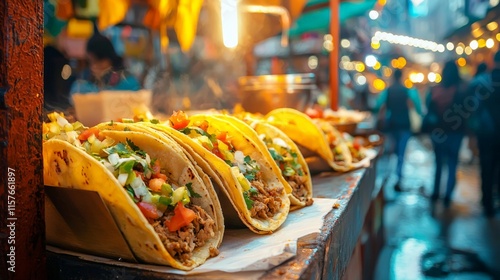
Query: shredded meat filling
column 181, row 243
column 267, row 202
column 299, row 188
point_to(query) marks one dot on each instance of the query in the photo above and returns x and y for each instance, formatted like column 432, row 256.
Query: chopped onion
column 108, row 166
column 254, row 124
column 280, row 142
column 72, row 136
column 239, row 157
column 136, row 183
column 61, row 121
column 91, row 138
column 146, row 197
column 148, row 159
column 114, row 158
column 122, row 178
column 123, row 160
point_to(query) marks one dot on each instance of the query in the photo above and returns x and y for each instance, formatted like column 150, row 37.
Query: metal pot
column 261, row 94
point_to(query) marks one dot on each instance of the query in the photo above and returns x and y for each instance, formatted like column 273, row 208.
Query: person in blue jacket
column 107, row 71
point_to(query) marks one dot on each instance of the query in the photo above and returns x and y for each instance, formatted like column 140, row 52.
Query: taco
column 342, row 158
column 281, row 150
column 167, row 213
column 247, row 178
column 316, row 136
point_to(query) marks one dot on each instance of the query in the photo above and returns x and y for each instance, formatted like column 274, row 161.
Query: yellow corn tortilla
column 68, row 166
column 307, row 133
column 253, row 130
column 220, row 170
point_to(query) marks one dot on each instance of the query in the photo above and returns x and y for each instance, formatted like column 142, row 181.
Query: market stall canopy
column 316, row 16
column 179, row 15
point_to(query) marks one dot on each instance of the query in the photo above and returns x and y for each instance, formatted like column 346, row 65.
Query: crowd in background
column 455, row 109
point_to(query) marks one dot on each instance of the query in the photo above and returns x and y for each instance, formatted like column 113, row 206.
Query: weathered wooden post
column 334, row 54
column 22, row 231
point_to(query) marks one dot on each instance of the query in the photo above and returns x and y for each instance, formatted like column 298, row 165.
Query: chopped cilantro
column 155, row 121
column 191, row 192
column 294, row 154
column 275, row 155
column 130, row 192
column 135, row 148
column 228, row 162
column 126, row 128
column 132, row 145
column 110, row 123
column 250, row 176
column 248, row 159
column 299, row 171
column 253, row 191
column 212, row 137
column 248, row 201
column 186, row 130
column 119, row 148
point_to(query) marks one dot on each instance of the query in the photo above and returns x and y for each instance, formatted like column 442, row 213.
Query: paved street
column 430, row 242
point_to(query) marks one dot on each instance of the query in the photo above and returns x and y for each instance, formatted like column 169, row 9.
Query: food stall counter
column 330, row 254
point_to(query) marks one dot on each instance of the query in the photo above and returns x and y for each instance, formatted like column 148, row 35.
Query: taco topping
column 291, row 169
column 260, row 199
column 181, row 225
column 355, row 147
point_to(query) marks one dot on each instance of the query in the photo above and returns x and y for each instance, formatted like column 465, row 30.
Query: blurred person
column 481, row 77
column 106, row 68
column 56, row 82
column 394, row 106
column 446, row 127
column 487, row 130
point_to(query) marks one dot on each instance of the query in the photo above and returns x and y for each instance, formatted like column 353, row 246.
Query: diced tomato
column 179, row 120
column 87, row 133
column 331, row 138
column 356, row 145
column 314, row 113
column 222, row 136
column 160, row 176
column 203, row 125
column 182, row 217
column 148, row 210
column 157, row 170
column 217, row 152
column 155, row 184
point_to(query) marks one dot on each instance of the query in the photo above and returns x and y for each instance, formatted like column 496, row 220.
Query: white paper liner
column 242, row 250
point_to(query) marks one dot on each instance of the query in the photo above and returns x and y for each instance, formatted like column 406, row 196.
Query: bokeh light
column 461, row 62
column 379, row 84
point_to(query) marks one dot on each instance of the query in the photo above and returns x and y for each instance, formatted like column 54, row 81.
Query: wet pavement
column 427, row 241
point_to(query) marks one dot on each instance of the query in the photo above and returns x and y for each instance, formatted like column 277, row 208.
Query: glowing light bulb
column 229, row 18
column 373, row 15
column 450, row 46
column 490, row 43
